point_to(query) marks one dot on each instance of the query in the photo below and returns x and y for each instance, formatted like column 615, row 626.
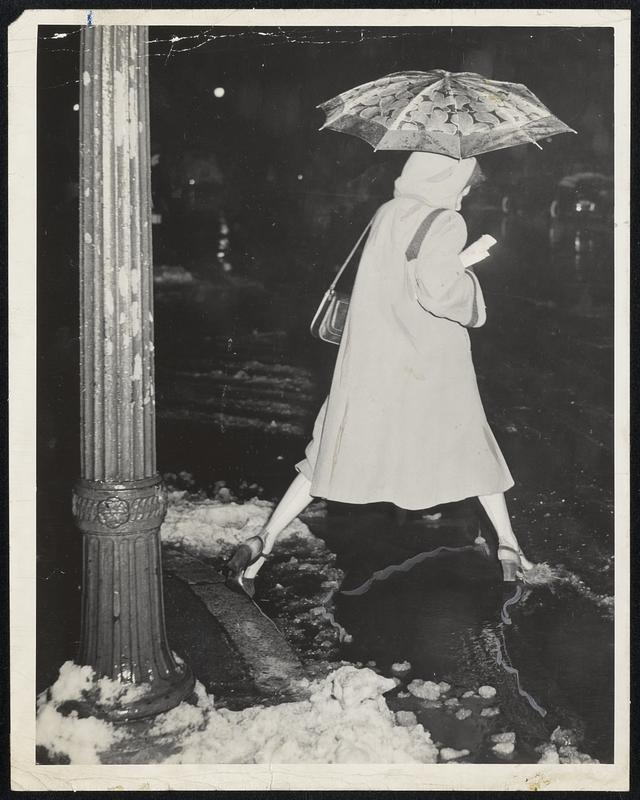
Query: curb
column 271, row 661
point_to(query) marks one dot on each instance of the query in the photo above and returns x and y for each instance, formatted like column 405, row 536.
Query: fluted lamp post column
column 119, row 502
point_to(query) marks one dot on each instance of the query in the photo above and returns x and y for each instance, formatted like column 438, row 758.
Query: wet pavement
column 240, row 409
column 239, row 381
column 452, row 619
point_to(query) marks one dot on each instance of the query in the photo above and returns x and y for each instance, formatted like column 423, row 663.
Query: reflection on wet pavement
column 502, row 657
column 453, row 619
column 405, row 566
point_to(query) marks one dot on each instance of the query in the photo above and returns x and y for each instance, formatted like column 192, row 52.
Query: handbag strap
column 412, row 250
column 351, row 254
column 421, row 234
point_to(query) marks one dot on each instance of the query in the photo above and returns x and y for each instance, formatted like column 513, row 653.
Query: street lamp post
column 119, row 502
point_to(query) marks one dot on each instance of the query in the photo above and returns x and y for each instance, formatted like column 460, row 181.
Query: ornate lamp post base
column 157, row 698
column 122, row 630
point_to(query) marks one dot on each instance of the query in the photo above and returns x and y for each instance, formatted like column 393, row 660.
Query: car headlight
column 585, row 206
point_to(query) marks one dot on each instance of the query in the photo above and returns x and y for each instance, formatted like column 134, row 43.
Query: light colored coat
column 403, row 421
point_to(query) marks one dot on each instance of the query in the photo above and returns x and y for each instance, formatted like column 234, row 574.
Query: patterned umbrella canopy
column 458, row 114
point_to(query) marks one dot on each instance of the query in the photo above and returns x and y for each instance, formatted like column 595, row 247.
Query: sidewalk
column 237, row 654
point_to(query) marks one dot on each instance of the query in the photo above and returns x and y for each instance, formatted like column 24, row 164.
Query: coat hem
column 431, row 502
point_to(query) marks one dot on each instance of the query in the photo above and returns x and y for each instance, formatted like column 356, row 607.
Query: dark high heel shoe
column 243, row 557
column 510, row 563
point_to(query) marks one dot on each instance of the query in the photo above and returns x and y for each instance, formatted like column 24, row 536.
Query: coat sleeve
column 443, row 286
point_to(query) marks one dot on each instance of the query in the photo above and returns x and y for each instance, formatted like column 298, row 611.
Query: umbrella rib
column 458, row 135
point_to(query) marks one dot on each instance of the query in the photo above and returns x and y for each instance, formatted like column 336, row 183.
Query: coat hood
column 435, row 179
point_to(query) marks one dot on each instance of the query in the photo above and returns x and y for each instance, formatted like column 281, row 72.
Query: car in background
column 516, row 184
column 584, row 197
column 558, row 187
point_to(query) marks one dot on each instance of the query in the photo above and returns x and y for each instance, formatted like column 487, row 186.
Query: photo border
column 25, row 773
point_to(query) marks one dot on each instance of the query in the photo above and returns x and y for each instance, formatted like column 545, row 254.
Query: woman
column 404, row 422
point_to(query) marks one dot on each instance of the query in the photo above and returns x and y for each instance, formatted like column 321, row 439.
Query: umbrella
column 457, row 114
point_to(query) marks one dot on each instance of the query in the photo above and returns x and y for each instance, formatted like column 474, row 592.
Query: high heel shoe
column 525, row 563
column 243, row 557
column 510, row 562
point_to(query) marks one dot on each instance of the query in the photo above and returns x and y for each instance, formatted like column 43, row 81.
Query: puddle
column 452, row 619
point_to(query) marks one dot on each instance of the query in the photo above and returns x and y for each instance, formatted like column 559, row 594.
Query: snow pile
column 565, row 754
column 79, row 739
column 428, row 690
column 344, row 720
column 564, row 736
column 561, row 749
column 502, row 738
column 215, row 527
column 504, row 749
column 406, row 718
column 504, row 744
column 171, row 275
column 450, row 754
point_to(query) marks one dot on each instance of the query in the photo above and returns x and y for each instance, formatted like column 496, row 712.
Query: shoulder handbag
column 329, row 320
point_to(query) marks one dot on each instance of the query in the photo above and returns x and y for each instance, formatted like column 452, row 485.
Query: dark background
column 293, row 200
